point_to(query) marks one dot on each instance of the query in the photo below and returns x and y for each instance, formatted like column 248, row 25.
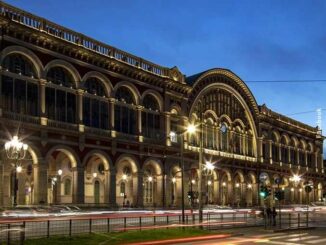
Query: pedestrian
column 274, row 213
column 269, row 215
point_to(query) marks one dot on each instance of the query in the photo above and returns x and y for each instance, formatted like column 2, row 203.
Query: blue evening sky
column 257, row 39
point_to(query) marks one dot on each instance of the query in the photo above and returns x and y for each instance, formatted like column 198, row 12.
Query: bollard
column 108, row 224
column 125, row 223
column 48, row 229
column 154, row 220
column 70, row 224
column 307, row 218
column 140, row 223
column 22, row 233
column 8, row 235
column 289, row 220
column 298, row 219
column 90, row 226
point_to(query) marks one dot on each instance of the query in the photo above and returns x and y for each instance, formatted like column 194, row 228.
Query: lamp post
column 190, row 129
column 208, row 171
column 296, row 179
column 16, row 150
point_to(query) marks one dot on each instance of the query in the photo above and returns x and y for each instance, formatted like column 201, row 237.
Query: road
column 259, row 236
column 100, row 221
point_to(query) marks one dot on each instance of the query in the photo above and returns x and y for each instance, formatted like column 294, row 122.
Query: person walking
column 274, row 213
column 269, row 216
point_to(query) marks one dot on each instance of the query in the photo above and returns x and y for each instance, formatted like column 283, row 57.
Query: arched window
column 209, row 134
column 284, row 151
column 148, row 187
column 95, row 106
column 275, row 148
column 293, row 153
column 174, row 128
column 302, row 160
column 237, row 141
column 310, row 156
column 224, row 137
column 60, row 96
column 250, row 144
column 19, row 94
column 19, row 64
column 122, row 188
column 124, row 111
column 151, row 117
column 265, row 147
column 67, row 187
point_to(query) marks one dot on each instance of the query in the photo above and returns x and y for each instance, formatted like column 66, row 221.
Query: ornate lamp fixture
column 16, row 150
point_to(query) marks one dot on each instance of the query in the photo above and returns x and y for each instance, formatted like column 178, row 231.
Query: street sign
column 308, row 188
column 278, row 180
column 263, row 177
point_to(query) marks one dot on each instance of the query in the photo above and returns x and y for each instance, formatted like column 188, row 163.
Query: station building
column 104, row 127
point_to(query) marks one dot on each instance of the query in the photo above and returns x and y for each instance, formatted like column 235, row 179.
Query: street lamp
column 191, row 128
column 16, row 150
column 208, row 171
column 296, row 179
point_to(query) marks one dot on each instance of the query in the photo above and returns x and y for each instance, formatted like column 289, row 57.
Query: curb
column 185, row 240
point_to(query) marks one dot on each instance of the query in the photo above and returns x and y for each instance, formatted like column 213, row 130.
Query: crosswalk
column 290, row 239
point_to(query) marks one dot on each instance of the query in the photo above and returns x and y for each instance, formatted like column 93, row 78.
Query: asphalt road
column 260, row 236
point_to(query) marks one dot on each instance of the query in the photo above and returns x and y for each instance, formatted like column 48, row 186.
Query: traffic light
column 190, row 195
column 279, row 195
column 263, row 191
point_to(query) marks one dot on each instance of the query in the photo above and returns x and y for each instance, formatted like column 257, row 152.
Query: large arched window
column 250, row 144
column 124, row 111
column 224, row 137
column 265, row 147
column 19, row 93
column 293, row 152
column 151, row 117
column 237, row 141
column 284, row 150
column 310, row 156
column 174, row 126
column 209, row 136
column 95, row 104
column 302, row 159
column 60, row 96
column 67, row 187
column 148, row 187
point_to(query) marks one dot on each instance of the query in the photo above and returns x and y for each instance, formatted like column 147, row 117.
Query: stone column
column 111, row 113
column 138, row 189
column 42, row 105
column 159, row 191
column 40, row 176
column 260, row 154
column 112, row 188
column 78, row 192
column 1, row 178
column 138, row 121
column 270, row 142
column 167, row 122
column 80, row 94
column 106, row 186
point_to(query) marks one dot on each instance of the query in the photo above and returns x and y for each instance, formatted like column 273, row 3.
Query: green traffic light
column 262, row 194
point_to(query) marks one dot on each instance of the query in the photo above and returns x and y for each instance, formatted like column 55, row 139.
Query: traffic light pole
column 279, row 207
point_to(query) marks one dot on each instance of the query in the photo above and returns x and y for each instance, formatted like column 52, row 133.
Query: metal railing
column 45, row 26
column 18, row 231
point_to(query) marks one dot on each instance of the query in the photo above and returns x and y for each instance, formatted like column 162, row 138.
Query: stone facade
column 111, row 122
